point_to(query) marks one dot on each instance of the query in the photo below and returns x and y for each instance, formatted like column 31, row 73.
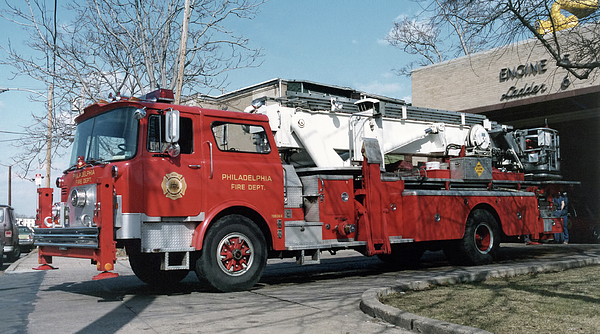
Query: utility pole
column 182, row 50
column 49, row 137
column 9, row 185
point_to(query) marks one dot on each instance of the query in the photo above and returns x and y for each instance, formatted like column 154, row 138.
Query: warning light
column 161, row 95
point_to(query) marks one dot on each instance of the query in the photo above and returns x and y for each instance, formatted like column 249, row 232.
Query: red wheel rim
column 235, row 254
column 484, row 239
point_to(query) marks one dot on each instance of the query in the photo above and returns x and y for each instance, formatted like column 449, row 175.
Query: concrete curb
column 12, row 269
column 371, row 305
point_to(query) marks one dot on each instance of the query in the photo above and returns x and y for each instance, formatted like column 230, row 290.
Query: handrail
column 210, row 146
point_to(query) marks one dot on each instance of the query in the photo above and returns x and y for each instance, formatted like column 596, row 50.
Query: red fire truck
column 219, row 192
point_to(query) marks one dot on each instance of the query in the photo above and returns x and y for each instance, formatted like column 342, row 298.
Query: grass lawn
column 558, row 302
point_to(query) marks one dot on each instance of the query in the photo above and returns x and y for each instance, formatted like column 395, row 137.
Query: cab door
column 172, row 184
column 242, row 165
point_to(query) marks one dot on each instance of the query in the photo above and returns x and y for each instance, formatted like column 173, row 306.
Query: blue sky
column 337, row 42
column 333, row 42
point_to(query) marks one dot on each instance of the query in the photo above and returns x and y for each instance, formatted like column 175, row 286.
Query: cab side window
column 234, row 137
column 186, row 135
column 156, row 134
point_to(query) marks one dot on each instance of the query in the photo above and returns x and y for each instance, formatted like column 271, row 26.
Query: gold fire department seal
column 173, row 185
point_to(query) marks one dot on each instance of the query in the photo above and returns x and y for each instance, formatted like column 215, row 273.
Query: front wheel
column 480, row 243
column 234, row 254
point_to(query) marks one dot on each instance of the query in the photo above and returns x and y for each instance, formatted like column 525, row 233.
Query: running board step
column 309, row 256
column 181, row 259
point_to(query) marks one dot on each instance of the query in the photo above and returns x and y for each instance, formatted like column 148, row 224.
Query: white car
column 25, row 238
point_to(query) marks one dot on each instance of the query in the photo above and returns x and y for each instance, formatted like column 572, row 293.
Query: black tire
column 15, row 254
column 1, row 255
column 480, row 243
column 234, row 254
column 404, row 256
column 146, row 266
column 596, row 234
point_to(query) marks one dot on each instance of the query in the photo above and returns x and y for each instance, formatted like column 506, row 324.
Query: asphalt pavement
column 338, row 296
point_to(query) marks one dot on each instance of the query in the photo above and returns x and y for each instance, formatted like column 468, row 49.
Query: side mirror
column 172, row 132
column 140, row 113
column 172, row 126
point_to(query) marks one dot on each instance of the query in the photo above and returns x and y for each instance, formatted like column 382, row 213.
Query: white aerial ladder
column 313, row 130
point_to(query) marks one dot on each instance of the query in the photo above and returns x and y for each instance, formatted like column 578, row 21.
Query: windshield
column 110, row 136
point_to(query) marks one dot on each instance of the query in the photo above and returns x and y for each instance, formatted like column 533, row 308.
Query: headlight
column 56, row 211
column 78, row 197
column 86, row 220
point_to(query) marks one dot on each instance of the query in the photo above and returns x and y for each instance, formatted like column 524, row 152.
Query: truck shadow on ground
column 116, row 289
column 360, row 266
column 330, row 269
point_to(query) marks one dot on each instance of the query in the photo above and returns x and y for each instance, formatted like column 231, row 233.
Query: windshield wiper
column 70, row 169
column 88, row 162
column 95, row 162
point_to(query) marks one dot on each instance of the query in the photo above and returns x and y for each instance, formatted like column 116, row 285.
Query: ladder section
column 386, row 107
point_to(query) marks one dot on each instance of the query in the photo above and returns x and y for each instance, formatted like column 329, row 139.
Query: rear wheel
column 596, row 234
column 480, row 243
column 234, row 254
column 146, row 267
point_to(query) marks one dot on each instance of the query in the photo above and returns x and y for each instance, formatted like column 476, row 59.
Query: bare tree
column 571, row 39
column 419, row 38
column 568, row 29
column 441, row 30
column 128, row 47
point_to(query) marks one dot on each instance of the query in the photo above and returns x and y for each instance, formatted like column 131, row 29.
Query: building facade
column 521, row 85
